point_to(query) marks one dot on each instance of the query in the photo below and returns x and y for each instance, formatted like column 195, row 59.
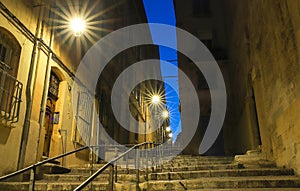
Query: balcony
column 10, row 98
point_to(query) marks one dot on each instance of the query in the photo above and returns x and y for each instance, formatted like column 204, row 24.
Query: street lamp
column 78, row 26
column 165, row 114
column 168, row 129
column 155, row 99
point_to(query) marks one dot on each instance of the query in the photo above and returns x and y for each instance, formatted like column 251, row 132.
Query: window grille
column 10, row 98
column 83, row 118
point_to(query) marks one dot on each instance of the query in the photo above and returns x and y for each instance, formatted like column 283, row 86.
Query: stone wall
column 264, row 48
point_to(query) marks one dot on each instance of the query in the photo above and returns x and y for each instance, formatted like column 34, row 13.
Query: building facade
column 257, row 53
column 256, row 46
column 39, row 60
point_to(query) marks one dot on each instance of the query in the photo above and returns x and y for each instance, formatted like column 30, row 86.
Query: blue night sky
column 162, row 11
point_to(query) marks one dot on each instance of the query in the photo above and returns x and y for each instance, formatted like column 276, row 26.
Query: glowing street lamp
column 170, row 135
column 165, row 114
column 168, row 129
column 155, row 99
column 78, row 26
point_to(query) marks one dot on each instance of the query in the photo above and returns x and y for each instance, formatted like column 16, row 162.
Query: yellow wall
column 10, row 138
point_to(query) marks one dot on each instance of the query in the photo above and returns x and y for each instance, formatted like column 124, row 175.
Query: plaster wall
column 10, row 137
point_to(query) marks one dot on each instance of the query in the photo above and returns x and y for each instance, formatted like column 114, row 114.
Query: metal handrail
column 86, row 182
column 93, row 176
column 41, row 163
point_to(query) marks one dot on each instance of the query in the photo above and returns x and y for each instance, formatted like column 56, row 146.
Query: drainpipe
column 29, row 92
column 63, row 133
column 46, row 86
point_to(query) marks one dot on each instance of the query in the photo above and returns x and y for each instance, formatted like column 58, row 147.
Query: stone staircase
column 220, row 173
column 182, row 173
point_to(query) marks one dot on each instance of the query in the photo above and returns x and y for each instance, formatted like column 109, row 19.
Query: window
column 2, row 53
column 206, row 38
column 201, row 8
column 202, row 84
column 10, row 87
column 54, row 85
column 83, row 118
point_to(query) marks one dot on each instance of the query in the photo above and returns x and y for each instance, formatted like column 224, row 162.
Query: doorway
column 50, row 111
column 257, row 130
column 253, row 116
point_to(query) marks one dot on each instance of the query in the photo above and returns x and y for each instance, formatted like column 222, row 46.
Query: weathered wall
column 10, row 138
column 264, row 49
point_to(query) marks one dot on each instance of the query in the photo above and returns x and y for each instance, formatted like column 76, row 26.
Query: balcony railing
column 10, row 98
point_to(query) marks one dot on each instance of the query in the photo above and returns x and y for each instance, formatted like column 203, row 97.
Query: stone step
column 197, row 167
column 250, row 189
column 224, row 182
column 175, row 162
column 81, row 178
column 179, row 167
column 199, row 161
column 43, row 186
column 106, row 171
column 218, row 166
column 80, row 170
column 194, row 162
column 72, row 178
column 204, row 157
column 168, row 168
column 88, row 165
column 219, row 173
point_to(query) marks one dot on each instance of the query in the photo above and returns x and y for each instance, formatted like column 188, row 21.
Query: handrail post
column 146, row 157
column 116, row 173
column 162, row 153
column 91, row 166
column 127, row 169
column 32, row 179
column 111, row 186
column 137, row 161
column 116, row 165
column 152, row 157
column 156, row 157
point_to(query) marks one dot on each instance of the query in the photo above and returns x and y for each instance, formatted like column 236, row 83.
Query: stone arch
column 55, row 104
column 10, row 50
column 252, row 113
column 58, row 72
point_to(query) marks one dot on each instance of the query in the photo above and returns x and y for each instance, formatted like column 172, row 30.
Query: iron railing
column 10, row 97
column 34, row 166
column 113, row 176
column 112, row 162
